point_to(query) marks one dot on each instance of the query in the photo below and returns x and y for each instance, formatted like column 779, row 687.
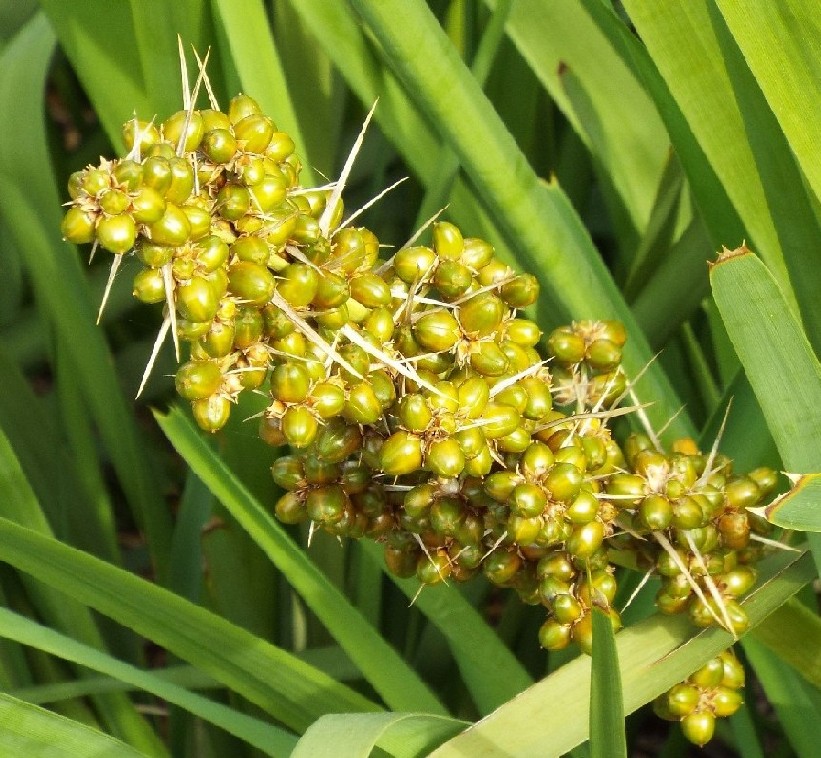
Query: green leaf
column 266, row 737
column 796, row 703
column 30, row 209
column 249, row 45
column 790, row 632
column 607, row 738
column 768, row 338
column 284, row 686
column 653, row 655
column 380, row 664
column 730, row 117
column 491, row 672
column 32, row 731
column 537, row 220
column 404, row 735
column 780, row 43
column 624, row 134
column 798, row 508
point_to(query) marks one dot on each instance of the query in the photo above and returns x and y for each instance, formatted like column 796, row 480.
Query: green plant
column 741, row 167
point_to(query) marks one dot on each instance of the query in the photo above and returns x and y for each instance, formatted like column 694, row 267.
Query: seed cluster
column 712, row 691
column 417, row 406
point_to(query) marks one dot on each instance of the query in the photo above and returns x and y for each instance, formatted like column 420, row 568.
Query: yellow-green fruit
column 452, row 279
column 298, row 284
column 212, row 413
column 113, row 201
column 476, row 253
column 184, row 128
column 233, row 202
column 362, row 406
column 117, row 233
column 413, row 263
column 371, row 290
column 337, row 440
column 521, row 291
column 78, row 226
column 200, row 220
column 555, row 636
column 148, row 134
column 147, row 205
column 299, row 426
column 327, row 400
column 290, row 382
column 683, row 699
column 149, row 286
column 437, row 331
column 290, row 508
column 445, row 458
column 219, row 145
column 196, row 300
column 250, row 282
column 481, row 315
column 254, row 132
column 401, row 454
column 196, row 380
column 566, row 346
column 698, row 727
column 447, row 241
column 281, row 147
column 172, row 229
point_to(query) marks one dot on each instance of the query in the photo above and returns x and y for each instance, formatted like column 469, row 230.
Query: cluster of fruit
column 712, row 691
column 417, row 407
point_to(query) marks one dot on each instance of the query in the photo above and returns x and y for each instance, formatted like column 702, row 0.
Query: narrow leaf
column 32, row 731
column 653, row 655
column 270, row 739
column 380, row 664
column 800, row 507
column 284, row 686
column 404, row 735
column 607, row 739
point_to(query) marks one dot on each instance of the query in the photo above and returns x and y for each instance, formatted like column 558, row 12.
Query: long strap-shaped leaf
column 551, row 717
column 31, row 731
column 780, row 364
column 31, row 210
column 290, row 690
column 381, row 665
column 268, row 738
column 537, row 219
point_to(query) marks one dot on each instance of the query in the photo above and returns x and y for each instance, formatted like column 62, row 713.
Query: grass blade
column 653, row 655
column 607, row 738
column 798, row 508
column 268, row 738
column 30, row 208
column 768, row 338
column 780, row 45
column 405, row 735
column 284, row 686
column 29, row 730
column 379, row 663
column 491, row 672
column 538, row 221
column 741, row 138
column 624, row 134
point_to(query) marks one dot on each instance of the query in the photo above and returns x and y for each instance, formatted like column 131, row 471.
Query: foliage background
column 610, row 152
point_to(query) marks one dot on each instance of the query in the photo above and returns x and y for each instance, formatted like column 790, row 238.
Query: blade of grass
column 798, row 508
column 624, row 134
column 282, row 685
column 653, row 655
column 30, row 209
column 796, row 703
column 20, row 505
column 266, row 737
column 607, row 739
column 711, row 197
column 249, row 44
column 677, row 286
column 404, row 735
column 29, row 730
column 789, row 633
column 537, row 219
column 490, row 671
column 768, row 338
column 781, row 47
column 379, row 663
column 730, row 117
